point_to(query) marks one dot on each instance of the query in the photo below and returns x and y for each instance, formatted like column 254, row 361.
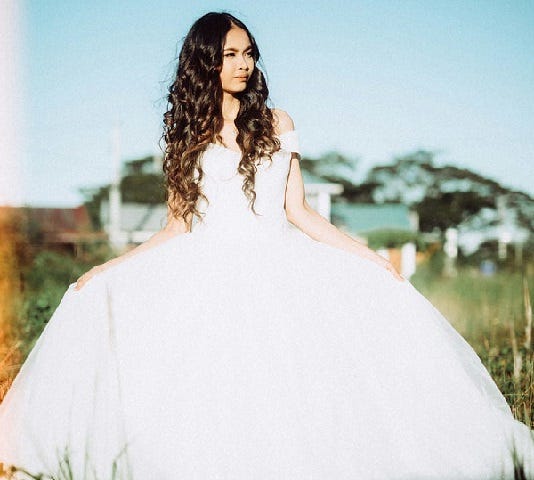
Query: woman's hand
column 388, row 266
column 174, row 227
column 90, row 274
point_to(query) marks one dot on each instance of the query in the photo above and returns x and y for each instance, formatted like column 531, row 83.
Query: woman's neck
column 230, row 107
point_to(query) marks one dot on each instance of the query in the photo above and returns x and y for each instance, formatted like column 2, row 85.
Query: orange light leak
column 9, row 297
column 12, row 88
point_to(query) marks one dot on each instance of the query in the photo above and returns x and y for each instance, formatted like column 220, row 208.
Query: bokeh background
column 370, row 79
column 416, row 122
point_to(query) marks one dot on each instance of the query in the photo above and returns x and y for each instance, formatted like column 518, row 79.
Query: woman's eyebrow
column 233, row 49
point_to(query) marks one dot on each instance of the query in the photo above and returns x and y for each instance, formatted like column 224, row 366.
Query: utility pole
column 504, row 235
column 116, row 237
column 451, row 251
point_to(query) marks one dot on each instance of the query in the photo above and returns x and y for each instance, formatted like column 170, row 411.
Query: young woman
column 234, row 346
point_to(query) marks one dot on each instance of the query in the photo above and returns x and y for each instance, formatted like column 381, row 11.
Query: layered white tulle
column 245, row 349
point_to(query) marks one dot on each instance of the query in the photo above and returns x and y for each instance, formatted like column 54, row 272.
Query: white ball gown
column 246, row 350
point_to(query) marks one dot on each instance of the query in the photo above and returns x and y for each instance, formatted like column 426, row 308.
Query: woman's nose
column 244, row 63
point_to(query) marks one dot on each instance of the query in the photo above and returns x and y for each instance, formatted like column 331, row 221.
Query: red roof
column 57, row 225
column 60, row 219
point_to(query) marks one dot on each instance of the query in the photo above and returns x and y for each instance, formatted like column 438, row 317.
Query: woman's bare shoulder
column 282, row 121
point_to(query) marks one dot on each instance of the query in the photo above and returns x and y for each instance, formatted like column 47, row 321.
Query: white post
column 502, row 245
column 323, row 204
column 408, row 259
column 451, row 250
column 503, row 234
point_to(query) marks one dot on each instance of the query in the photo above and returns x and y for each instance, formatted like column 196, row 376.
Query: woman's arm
column 300, row 214
column 173, row 227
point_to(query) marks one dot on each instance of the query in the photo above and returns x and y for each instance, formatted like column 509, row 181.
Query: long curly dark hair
column 194, row 118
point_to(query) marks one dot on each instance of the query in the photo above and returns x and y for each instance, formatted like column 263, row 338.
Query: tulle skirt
column 265, row 356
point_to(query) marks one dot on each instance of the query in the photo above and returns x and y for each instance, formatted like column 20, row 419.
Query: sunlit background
column 370, row 79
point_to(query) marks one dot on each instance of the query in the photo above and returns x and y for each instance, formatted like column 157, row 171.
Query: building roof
column 60, row 219
column 361, row 218
column 58, row 225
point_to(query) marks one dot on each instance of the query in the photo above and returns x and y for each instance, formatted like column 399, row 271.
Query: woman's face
column 238, row 61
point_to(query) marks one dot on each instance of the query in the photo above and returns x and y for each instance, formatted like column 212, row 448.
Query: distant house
column 319, row 193
column 58, row 228
column 362, row 218
column 394, row 220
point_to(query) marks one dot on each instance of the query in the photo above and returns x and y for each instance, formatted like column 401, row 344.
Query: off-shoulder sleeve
column 290, row 141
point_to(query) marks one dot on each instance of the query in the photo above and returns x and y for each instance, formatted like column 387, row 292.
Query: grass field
column 494, row 314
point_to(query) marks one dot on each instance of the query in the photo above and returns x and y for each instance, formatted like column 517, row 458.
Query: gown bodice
column 227, row 210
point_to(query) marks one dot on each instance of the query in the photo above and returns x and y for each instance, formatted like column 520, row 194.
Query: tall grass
column 65, row 470
column 494, row 314
column 10, row 288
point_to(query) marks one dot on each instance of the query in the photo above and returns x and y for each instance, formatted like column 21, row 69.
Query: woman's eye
column 232, row 54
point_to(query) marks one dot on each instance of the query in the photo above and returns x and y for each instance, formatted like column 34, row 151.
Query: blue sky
column 370, row 79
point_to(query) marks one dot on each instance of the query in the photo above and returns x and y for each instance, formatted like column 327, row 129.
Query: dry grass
column 9, row 298
column 494, row 315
